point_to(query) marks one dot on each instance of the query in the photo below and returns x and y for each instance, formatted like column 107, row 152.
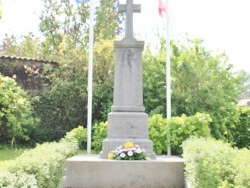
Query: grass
column 7, row 153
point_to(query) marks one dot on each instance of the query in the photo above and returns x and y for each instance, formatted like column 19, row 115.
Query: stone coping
column 96, row 157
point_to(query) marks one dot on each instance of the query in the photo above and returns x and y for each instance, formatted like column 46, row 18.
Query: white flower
column 122, row 155
column 117, row 152
column 138, row 150
column 120, row 147
column 130, row 153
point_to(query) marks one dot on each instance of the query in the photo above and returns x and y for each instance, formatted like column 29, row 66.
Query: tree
column 27, row 46
column 64, row 17
column 201, row 81
column 63, row 106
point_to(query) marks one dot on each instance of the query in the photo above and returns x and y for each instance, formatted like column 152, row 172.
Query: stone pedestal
column 89, row 171
column 127, row 126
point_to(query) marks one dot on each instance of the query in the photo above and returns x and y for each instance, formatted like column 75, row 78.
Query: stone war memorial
column 127, row 121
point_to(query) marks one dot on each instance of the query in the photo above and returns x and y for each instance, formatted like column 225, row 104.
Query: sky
column 223, row 25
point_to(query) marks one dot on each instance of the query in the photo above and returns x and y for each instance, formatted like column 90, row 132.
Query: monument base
column 90, row 171
column 127, row 126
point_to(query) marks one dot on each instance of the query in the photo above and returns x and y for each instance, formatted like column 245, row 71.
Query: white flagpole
column 168, row 73
column 90, row 76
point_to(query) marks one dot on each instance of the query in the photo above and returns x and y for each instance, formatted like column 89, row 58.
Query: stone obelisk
column 127, row 120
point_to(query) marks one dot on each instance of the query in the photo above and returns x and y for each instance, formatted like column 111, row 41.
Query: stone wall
column 30, row 74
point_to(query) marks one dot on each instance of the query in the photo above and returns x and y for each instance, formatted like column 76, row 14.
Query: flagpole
column 90, row 76
column 168, row 72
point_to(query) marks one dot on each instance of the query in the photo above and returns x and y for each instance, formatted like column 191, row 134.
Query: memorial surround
column 127, row 121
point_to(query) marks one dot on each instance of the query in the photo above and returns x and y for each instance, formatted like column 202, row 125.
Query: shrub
column 60, row 109
column 212, row 164
column 16, row 112
column 157, row 124
column 45, row 162
column 100, row 133
column 241, row 132
column 20, row 180
column 181, row 128
column 79, row 134
column 41, row 167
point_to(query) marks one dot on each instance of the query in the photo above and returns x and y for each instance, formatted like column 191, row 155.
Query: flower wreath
column 128, row 151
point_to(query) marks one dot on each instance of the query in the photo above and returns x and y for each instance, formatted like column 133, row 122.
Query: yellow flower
column 128, row 144
column 110, row 155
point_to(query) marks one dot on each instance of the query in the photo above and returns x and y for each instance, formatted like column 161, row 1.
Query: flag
column 161, row 8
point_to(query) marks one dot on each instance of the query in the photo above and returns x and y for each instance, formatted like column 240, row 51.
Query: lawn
column 7, row 154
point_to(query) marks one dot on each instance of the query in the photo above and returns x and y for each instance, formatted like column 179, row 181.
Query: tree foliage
column 241, row 132
column 16, row 112
column 28, row 46
column 63, row 105
column 201, row 81
column 64, row 17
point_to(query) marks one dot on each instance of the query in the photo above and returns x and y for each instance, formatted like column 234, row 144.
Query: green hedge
column 100, row 133
column 14, row 180
column 214, row 164
column 181, row 128
column 40, row 167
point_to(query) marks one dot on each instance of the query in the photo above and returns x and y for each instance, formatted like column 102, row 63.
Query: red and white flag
column 161, row 8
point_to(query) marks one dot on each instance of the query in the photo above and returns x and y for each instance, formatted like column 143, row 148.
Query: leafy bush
column 79, row 134
column 42, row 166
column 45, row 162
column 16, row 112
column 100, row 133
column 212, row 164
column 21, row 180
column 61, row 109
column 157, row 124
column 241, row 132
column 183, row 127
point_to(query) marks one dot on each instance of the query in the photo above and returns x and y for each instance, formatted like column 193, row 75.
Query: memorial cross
column 129, row 8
